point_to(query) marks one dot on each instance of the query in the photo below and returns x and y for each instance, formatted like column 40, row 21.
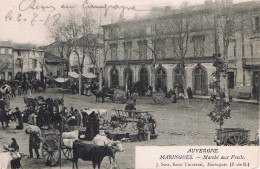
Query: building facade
column 19, row 60
column 28, row 62
column 6, row 61
column 54, row 66
column 130, row 58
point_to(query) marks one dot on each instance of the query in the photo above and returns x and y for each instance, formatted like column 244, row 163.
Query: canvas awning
column 89, row 75
column 73, row 75
column 61, row 80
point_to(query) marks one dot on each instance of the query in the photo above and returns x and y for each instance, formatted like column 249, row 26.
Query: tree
column 151, row 32
column 128, row 33
column 77, row 33
column 182, row 25
column 227, row 21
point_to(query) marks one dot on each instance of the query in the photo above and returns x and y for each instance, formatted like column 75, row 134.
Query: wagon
column 233, row 137
column 124, row 117
column 52, row 147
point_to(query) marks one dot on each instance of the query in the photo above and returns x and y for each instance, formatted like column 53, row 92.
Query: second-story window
column 235, row 51
column 2, row 51
column 198, row 46
column 6, row 51
column 257, row 23
column 252, row 49
column 34, row 63
column 19, row 63
column 142, row 50
column 127, row 50
column 10, row 51
column 113, row 48
column 159, row 47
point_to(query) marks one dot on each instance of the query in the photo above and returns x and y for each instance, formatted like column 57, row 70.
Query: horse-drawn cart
column 234, row 137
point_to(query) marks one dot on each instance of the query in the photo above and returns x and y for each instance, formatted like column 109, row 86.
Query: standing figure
column 32, row 118
column 15, row 164
column 19, row 121
column 176, row 89
column 174, row 97
column 40, row 118
column 130, row 108
column 96, row 123
column 90, row 124
column 79, row 117
column 152, row 123
column 141, row 128
column 13, row 89
column 24, row 87
column 189, row 91
column 34, row 143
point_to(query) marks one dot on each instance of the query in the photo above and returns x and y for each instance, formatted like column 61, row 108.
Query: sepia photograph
column 124, row 84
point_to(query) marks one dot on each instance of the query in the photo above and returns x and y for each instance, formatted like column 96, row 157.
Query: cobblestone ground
column 177, row 126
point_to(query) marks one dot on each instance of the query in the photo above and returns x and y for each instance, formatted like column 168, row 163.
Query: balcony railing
column 247, row 62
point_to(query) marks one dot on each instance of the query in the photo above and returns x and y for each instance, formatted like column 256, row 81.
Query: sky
column 29, row 21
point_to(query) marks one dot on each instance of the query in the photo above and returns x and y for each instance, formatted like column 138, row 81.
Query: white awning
column 61, row 80
column 74, row 75
column 89, row 75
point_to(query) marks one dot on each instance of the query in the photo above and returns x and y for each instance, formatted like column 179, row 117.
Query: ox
column 90, row 152
column 7, row 157
column 102, row 140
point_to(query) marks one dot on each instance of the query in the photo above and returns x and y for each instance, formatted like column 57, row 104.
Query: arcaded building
column 130, row 57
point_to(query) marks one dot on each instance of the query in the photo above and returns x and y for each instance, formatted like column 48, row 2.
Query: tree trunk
column 126, row 82
column 100, row 76
column 186, row 97
column 226, row 89
column 80, row 81
column 153, row 78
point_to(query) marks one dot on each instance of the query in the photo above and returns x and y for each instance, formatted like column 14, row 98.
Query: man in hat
column 18, row 115
column 131, row 107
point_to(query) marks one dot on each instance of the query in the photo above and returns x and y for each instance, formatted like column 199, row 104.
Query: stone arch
column 130, row 76
column 200, row 80
column 143, row 75
column 177, row 76
column 114, row 77
column 160, row 78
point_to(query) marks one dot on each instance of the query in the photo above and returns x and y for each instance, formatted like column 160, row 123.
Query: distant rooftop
column 19, row 46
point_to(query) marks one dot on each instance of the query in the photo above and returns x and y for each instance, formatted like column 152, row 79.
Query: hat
column 17, row 108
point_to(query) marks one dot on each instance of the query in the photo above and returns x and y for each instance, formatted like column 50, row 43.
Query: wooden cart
column 233, row 137
column 51, row 147
column 128, row 116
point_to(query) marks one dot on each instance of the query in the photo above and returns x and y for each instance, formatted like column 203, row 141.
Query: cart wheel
column 50, row 152
column 236, row 140
column 68, row 153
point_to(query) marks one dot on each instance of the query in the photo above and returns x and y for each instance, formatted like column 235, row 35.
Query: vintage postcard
column 129, row 84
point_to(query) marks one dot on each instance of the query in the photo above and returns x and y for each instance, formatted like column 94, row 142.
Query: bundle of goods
column 69, row 138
